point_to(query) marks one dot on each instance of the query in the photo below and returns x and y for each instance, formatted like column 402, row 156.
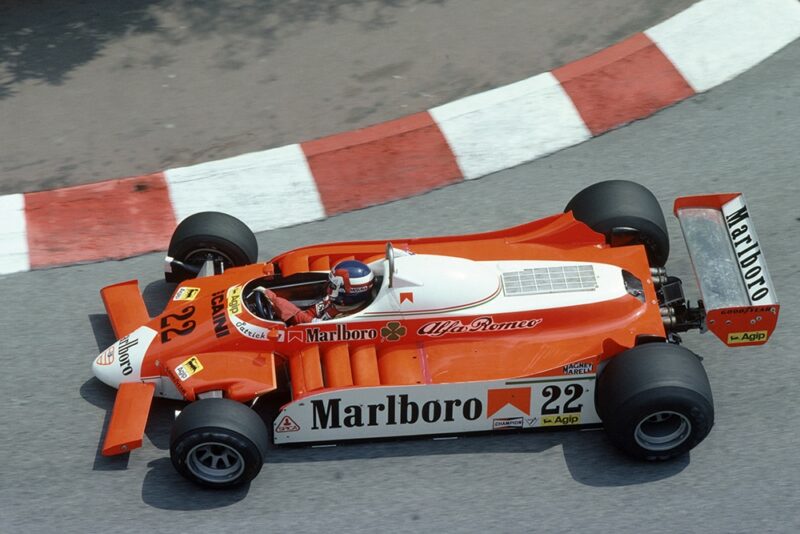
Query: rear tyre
column 655, row 401
column 211, row 235
column 218, row 443
column 626, row 213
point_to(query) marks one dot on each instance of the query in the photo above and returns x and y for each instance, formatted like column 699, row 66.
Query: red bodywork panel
column 128, row 419
column 125, row 307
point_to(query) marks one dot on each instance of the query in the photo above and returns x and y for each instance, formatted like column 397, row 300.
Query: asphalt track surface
column 743, row 478
column 91, row 91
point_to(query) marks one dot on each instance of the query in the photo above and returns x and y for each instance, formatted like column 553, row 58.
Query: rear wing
column 735, row 285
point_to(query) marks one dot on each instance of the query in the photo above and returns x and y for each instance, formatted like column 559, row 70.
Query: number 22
column 186, row 328
column 554, row 392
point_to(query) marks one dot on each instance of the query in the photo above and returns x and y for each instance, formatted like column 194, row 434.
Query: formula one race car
column 568, row 320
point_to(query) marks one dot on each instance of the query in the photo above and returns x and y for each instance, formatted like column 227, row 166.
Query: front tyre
column 218, row 443
column 655, row 401
column 211, row 235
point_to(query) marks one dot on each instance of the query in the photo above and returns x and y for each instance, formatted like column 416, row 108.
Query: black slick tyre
column 655, row 401
column 625, row 213
column 218, row 443
column 211, row 235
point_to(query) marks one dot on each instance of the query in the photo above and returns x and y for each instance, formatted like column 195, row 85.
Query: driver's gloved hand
column 267, row 293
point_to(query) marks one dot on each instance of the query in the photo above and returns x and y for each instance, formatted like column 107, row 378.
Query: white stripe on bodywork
column 443, row 289
column 715, row 40
column 269, row 189
column 510, row 125
column 13, row 235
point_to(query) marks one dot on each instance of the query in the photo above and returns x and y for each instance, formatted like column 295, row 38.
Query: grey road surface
column 743, row 478
column 97, row 90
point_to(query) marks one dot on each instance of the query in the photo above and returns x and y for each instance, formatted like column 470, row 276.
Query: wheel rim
column 215, row 462
column 662, row 431
column 202, row 255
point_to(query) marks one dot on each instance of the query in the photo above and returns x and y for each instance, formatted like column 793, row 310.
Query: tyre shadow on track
column 165, row 489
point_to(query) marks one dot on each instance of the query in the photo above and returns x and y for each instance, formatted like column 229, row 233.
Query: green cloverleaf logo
column 393, row 331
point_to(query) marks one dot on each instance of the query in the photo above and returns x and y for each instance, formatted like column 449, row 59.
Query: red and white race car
column 568, row 320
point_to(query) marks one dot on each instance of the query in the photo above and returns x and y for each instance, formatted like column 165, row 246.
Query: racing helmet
column 351, row 283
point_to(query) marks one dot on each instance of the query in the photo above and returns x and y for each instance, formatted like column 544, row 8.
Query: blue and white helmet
column 351, row 283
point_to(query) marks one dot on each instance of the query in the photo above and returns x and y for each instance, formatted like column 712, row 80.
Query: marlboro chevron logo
column 481, row 324
column 519, row 398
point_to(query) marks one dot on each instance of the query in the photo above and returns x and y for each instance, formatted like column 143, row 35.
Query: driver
column 349, row 290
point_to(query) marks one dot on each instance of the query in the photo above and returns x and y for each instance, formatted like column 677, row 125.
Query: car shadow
column 165, row 489
column 102, row 330
column 593, row 461
column 589, row 457
column 102, row 396
column 156, row 295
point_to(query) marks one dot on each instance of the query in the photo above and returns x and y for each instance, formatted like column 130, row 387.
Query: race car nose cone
column 122, row 361
column 105, row 367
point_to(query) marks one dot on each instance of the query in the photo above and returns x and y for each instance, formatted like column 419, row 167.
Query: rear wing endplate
column 735, row 285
